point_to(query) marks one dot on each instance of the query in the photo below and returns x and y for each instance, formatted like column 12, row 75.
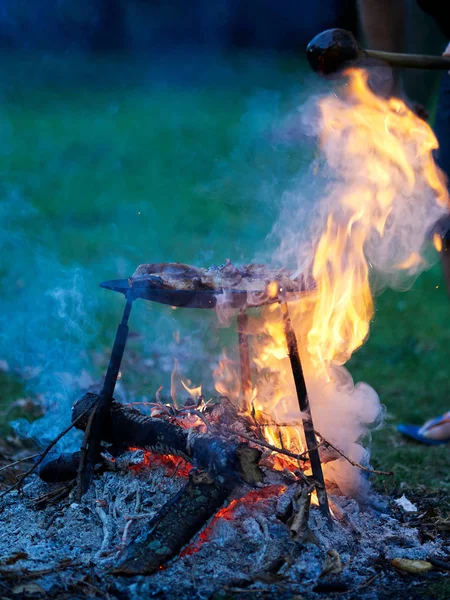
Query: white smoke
column 395, row 251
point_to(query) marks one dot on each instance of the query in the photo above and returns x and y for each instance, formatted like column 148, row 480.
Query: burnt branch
column 300, row 457
column 75, row 421
column 175, row 524
column 17, row 462
column 353, row 462
column 129, row 428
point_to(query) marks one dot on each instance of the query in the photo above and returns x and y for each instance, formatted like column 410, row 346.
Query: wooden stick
column 174, row 525
column 84, row 451
column 44, row 454
column 54, row 494
column 411, row 61
column 302, row 456
column 352, row 462
column 13, row 464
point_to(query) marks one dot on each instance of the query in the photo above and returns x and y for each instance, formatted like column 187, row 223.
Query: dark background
column 139, row 25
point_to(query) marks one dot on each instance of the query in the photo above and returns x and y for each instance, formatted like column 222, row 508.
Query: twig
column 44, row 454
column 265, row 531
column 126, row 529
column 301, row 456
column 13, row 464
column 368, row 581
column 440, row 564
column 54, row 494
column 26, row 573
column 137, row 504
column 177, row 466
column 123, row 541
column 202, row 417
column 352, row 462
column 106, row 533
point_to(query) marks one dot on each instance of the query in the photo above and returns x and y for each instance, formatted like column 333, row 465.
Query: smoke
column 359, row 220
column 45, row 321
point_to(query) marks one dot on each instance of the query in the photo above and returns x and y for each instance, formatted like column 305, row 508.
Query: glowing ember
column 174, row 464
column 229, row 511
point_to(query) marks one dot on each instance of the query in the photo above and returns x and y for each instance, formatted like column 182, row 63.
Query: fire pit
column 184, row 286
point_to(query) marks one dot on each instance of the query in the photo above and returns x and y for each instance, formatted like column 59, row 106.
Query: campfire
column 271, row 471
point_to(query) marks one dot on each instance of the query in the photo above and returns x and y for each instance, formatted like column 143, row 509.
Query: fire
column 228, row 513
column 226, row 379
column 437, row 241
column 391, row 148
column 173, row 464
column 194, row 392
column 384, row 192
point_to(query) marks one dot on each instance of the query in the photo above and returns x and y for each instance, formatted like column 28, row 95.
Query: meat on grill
column 251, row 278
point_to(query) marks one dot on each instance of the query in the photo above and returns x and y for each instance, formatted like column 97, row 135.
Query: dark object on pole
column 308, row 426
column 334, row 49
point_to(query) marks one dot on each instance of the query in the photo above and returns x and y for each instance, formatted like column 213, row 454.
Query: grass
column 108, row 163
column 406, row 360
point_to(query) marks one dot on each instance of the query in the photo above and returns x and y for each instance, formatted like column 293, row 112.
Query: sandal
column 434, row 433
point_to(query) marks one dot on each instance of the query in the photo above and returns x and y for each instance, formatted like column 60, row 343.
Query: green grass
column 406, row 359
column 108, row 163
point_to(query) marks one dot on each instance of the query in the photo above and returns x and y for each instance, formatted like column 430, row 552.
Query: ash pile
column 205, row 516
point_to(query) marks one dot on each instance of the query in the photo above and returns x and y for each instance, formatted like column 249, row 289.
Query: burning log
column 175, row 524
column 129, row 428
column 223, row 464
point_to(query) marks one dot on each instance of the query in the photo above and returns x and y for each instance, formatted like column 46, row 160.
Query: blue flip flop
column 417, row 433
column 413, row 432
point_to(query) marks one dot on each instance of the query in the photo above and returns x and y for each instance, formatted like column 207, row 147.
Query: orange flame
column 437, row 241
column 226, row 379
column 376, row 136
column 194, row 392
column 379, row 160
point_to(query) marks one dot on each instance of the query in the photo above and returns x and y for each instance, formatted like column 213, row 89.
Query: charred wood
column 175, row 524
column 63, row 467
column 129, row 428
column 298, row 524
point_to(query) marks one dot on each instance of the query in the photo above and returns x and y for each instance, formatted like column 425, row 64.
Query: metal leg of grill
column 303, row 402
column 244, row 357
column 92, row 439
